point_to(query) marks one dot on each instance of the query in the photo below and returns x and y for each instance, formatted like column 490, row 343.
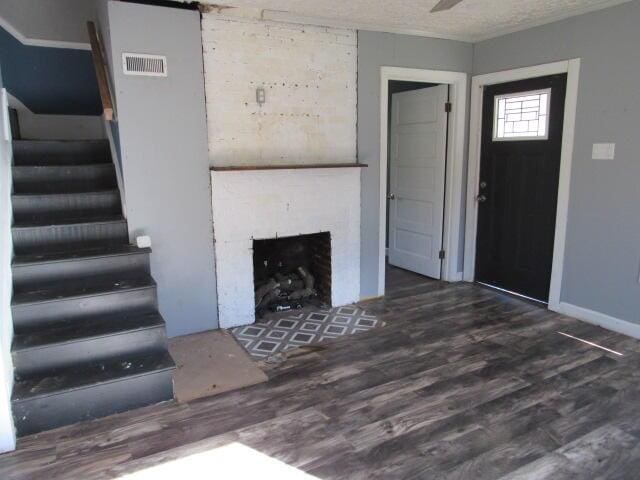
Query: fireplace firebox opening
column 292, row 272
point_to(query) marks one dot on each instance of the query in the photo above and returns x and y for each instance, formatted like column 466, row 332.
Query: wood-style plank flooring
column 463, row 383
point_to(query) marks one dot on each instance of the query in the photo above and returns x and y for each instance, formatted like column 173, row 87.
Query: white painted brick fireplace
column 309, row 118
column 264, row 204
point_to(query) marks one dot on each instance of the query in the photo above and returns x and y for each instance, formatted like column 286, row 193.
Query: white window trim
column 572, row 68
column 497, row 98
column 453, row 212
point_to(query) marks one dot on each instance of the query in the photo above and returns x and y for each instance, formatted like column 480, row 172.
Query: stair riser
column 62, row 179
column 35, row 207
column 59, row 237
column 61, row 153
column 30, row 316
column 53, row 357
column 31, row 276
column 44, row 413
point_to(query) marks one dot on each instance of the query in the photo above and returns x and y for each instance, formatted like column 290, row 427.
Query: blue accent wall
column 49, row 80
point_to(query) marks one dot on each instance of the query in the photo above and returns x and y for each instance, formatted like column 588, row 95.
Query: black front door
column 519, row 171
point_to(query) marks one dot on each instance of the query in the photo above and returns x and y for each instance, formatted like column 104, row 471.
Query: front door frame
column 453, row 204
column 572, row 69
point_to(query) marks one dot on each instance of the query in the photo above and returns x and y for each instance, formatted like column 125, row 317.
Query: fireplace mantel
column 295, row 166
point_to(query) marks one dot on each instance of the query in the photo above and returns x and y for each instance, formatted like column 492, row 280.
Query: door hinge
column 447, row 107
column 441, row 255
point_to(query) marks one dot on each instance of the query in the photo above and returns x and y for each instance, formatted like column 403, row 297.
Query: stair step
column 61, row 152
column 83, row 393
column 64, row 234
column 80, row 299
column 99, row 339
column 37, row 206
column 63, row 178
column 31, row 271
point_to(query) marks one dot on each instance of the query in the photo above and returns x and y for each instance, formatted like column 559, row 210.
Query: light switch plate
column 603, row 151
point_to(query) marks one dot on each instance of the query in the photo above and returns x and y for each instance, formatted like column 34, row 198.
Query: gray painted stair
column 30, row 207
column 63, row 178
column 89, row 340
column 51, row 400
column 63, row 234
column 75, row 300
column 60, row 152
column 95, row 339
column 35, row 270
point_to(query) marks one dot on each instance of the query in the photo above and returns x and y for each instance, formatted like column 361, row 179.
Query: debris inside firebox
column 285, row 291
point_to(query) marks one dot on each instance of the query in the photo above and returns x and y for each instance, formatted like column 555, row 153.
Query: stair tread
column 91, row 286
column 79, row 377
column 65, row 152
column 106, row 191
column 62, row 221
column 53, row 141
column 73, row 166
column 78, row 330
column 78, row 254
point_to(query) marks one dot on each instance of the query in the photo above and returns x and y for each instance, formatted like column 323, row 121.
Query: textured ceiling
column 471, row 20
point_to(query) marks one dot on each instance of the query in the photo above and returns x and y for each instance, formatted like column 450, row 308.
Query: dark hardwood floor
column 463, row 383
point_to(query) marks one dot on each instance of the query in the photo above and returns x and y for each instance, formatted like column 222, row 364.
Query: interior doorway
column 417, row 152
column 447, row 203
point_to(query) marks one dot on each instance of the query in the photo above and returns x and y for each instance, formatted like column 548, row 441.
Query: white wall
column 47, row 21
column 7, row 435
column 56, row 127
column 309, row 75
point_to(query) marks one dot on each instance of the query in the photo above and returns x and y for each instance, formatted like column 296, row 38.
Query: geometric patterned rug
column 285, row 331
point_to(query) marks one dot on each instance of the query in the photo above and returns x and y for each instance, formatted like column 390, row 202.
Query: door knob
column 391, row 196
column 481, row 198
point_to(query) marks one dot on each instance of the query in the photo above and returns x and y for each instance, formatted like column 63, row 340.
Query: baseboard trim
column 600, row 319
column 370, row 297
column 455, row 277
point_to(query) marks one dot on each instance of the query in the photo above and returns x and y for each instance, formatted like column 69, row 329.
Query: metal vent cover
column 144, row 64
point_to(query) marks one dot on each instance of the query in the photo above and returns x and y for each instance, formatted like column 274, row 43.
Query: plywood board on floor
column 210, row 363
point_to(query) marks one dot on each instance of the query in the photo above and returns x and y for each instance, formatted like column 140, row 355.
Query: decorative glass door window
column 522, row 116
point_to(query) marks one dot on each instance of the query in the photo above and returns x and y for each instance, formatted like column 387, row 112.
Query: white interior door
column 417, row 162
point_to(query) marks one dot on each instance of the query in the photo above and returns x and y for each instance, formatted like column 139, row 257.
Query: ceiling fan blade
column 443, row 5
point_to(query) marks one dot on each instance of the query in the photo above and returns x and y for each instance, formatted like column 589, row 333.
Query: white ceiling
column 471, row 20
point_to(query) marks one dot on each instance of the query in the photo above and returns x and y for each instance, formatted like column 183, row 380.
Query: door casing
column 572, row 68
column 432, row 101
column 453, row 203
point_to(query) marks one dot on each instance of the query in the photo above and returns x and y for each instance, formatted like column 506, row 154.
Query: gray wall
column 602, row 258
column 163, row 141
column 386, row 49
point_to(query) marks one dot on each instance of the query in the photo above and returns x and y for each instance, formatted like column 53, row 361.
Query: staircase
column 88, row 338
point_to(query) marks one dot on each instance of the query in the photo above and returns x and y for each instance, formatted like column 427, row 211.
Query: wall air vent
column 145, row 65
